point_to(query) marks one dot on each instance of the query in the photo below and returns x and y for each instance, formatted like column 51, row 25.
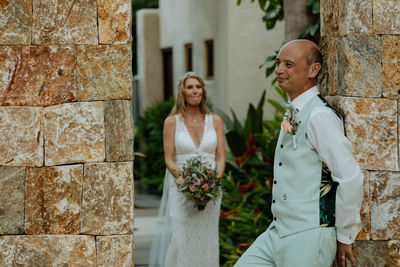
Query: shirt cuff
column 347, row 235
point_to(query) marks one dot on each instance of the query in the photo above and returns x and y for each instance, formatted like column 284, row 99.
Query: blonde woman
column 186, row 236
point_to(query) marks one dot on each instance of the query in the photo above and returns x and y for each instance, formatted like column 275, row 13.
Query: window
column 167, row 73
column 188, row 57
column 210, row 59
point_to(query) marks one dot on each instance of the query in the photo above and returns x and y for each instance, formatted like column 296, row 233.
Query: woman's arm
column 169, row 146
column 220, row 151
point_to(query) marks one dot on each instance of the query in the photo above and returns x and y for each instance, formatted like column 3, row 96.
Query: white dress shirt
column 325, row 135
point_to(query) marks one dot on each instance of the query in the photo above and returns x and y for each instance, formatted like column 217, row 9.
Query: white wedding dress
column 185, row 236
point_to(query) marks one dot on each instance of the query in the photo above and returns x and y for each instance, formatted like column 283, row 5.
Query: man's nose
column 278, row 68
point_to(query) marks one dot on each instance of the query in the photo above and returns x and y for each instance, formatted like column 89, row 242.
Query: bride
column 184, row 235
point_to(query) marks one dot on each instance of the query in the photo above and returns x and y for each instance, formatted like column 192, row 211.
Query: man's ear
column 314, row 70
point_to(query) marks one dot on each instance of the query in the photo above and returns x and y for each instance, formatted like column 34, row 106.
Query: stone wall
column 66, row 133
column 361, row 46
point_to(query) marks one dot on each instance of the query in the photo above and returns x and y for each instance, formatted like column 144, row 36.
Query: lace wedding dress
column 185, row 236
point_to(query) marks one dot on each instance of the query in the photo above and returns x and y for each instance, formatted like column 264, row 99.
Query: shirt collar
column 300, row 101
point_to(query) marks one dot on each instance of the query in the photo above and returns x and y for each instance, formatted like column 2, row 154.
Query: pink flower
column 287, row 127
column 201, row 178
column 180, row 180
column 192, row 187
column 205, row 186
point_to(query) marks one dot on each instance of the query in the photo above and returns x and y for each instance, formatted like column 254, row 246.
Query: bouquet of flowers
column 199, row 182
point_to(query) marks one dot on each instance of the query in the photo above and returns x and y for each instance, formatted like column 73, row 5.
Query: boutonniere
column 290, row 124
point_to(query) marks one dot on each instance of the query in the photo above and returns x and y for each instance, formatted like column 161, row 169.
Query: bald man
column 317, row 187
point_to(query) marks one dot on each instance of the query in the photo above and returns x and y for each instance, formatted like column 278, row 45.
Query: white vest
column 299, row 177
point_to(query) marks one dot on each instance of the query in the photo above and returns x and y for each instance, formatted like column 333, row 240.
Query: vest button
column 273, row 201
column 275, row 218
column 280, row 163
column 281, row 146
column 274, row 181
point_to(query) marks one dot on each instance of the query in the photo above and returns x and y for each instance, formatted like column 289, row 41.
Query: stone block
column 21, row 136
column 385, row 205
column 371, row 253
column 107, row 205
column 394, row 250
column 64, row 22
column 119, row 130
column 365, row 233
column 328, row 77
column 371, row 126
column 15, row 22
column 104, row 72
column 53, row 200
column 391, row 66
column 37, row 75
column 329, row 17
column 386, row 16
column 48, row 250
column 12, row 200
column 114, row 251
column 355, row 17
column 359, row 66
column 115, row 19
column 74, row 133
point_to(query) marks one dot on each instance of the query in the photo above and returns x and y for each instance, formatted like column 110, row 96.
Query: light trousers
column 310, row 248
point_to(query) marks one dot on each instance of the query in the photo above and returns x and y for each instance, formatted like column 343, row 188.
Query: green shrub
column 150, row 169
column 246, row 204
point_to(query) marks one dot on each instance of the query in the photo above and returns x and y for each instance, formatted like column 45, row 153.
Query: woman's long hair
column 180, row 103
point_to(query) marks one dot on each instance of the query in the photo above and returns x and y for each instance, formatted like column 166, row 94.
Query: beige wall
column 149, row 58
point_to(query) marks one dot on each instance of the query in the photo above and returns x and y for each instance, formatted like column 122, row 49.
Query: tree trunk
column 297, row 18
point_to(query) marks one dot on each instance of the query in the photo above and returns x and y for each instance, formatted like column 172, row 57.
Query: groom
column 317, row 187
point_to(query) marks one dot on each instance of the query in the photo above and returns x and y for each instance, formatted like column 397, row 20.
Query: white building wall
column 241, row 44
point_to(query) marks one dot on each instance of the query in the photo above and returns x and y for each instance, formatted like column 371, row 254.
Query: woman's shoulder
column 217, row 121
column 170, row 122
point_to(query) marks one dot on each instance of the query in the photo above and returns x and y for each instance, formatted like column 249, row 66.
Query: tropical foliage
column 245, row 209
column 150, row 167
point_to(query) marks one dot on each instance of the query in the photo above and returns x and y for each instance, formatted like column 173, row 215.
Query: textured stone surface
column 371, row 254
column 385, row 205
column 391, row 66
column 365, row 233
column 53, row 200
column 386, row 16
column 104, row 72
column 328, row 77
column 107, row 205
column 48, row 250
column 21, row 138
column 355, row 16
column 15, row 22
column 359, row 66
column 115, row 251
column 64, row 22
column 37, row 75
column 119, row 130
column 114, row 21
column 371, row 125
column 329, row 17
column 12, row 200
column 394, row 249
column 74, row 132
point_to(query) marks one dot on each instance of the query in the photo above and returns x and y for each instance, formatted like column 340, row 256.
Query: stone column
column 361, row 45
column 66, row 133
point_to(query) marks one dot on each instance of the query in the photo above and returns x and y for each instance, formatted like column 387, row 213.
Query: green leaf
column 238, row 2
column 236, row 143
column 282, row 93
column 270, row 24
column 261, row 104
column 310, row 2
column 262, row 4
column 316, row 7
column 237, row 126
column 253, row 123
column 271, row 14
column 274, row 81
column 269, row 71
column 267, row 60
column 225, row 118
column 277, row 105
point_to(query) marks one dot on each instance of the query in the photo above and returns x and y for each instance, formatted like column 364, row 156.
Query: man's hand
column 344, row 251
